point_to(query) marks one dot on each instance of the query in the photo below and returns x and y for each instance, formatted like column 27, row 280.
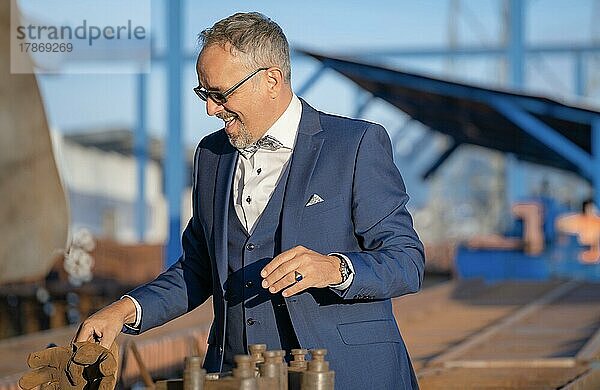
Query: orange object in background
column 532, row 241
column 586, row 226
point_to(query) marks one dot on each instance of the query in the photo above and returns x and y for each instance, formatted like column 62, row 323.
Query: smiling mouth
column 228, row 120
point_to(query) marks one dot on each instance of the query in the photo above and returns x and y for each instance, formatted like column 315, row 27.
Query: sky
column 85, row 102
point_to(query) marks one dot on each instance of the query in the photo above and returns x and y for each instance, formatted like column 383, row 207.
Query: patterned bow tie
column 267, row 142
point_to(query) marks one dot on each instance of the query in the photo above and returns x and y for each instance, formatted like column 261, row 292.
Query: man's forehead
column 216, row 65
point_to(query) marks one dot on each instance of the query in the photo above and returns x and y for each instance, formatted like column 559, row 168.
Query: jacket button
column 250, row 321
column 220, row 349
column 249, row 284
column 250, row 246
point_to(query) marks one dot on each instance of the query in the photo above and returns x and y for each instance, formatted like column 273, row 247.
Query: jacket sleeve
column 186, row 284
column 391, row 261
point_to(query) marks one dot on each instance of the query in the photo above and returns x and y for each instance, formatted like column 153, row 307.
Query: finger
column 74, row 339
column 107, row 383
column 284, row 282
column 48, row 357
column 87, row 333
column 296, row 288
column 75, row 373
column 108, row 339
column 281, row 272
column 108, row 367
column 38, row 377
column 88, row 353
column 94, row 335
column 280, row 259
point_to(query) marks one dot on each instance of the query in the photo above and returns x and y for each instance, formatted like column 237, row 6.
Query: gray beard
column 242, row 139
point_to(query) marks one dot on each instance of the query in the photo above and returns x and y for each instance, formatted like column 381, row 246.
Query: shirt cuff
column 348, row 282
column 138, row 314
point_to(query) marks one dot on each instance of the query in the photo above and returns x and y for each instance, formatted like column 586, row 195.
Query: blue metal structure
column 533, row 128
column 516, row 43
column 174, row 158
column 140, row 151
column 596, row 158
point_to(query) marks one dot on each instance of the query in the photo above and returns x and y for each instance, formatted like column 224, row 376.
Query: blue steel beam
column 174, row 163
column 516, row 63
column 515, row 44
column 545, row 134
column 438, row 163
column 596, row 159
column 141, row 156
column 514, row 179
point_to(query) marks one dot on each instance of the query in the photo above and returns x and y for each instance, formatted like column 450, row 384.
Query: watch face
column 344, row 269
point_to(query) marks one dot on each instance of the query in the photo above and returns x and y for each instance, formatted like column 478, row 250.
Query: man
column 299, row 228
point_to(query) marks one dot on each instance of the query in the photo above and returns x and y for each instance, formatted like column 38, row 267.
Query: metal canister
column 244, row 372
column 193, row 373
column 318, row 376
column 297, row 366
column 274, row 367
column 256, row 352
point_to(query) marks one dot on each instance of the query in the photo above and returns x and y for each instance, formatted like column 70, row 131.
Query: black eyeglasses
column 221, row 97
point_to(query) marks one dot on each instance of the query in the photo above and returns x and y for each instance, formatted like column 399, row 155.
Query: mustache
column 226, row 115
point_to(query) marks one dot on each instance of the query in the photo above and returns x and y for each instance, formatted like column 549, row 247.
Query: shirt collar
column 285, row 128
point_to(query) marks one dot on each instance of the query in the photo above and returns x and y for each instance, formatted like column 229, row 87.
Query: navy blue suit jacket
column 349, row 164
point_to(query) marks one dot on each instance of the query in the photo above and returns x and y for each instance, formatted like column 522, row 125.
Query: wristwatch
column 344, row 268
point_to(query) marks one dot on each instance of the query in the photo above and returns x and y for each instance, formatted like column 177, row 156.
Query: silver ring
column 298, row 276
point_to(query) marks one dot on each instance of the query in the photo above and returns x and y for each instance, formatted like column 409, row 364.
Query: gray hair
column 259, row 39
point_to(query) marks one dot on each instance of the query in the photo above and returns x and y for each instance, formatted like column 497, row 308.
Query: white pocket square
column 314, row 199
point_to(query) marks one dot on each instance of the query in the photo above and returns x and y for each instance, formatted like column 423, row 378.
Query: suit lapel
column 225, row 171
column 304, row 158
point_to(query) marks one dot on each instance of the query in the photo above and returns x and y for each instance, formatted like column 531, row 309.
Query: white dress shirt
column 257, row 176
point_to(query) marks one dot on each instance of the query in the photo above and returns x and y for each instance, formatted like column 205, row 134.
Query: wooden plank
column 457, row 350
column 501, row 378
column 517, row 363
column 588, row 381
column 591, row 349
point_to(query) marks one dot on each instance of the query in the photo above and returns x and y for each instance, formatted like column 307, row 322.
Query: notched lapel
column 225, row 171
column 304, row 159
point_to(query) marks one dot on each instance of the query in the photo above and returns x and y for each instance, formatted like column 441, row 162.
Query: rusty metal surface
column 559, row 329
column 442, row 316
column 499, row 378
column 513, row 335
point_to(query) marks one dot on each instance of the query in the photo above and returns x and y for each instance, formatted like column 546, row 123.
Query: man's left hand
column 317, row 270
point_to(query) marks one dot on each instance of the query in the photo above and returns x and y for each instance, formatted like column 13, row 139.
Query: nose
column 213, row 108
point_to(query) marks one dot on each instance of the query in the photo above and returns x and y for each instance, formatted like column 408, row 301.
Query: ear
column 274, row 81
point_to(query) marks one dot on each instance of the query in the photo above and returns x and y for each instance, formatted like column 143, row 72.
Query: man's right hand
column 104, row 325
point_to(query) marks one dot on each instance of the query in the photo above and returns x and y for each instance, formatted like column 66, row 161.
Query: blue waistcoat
column 254, row 315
